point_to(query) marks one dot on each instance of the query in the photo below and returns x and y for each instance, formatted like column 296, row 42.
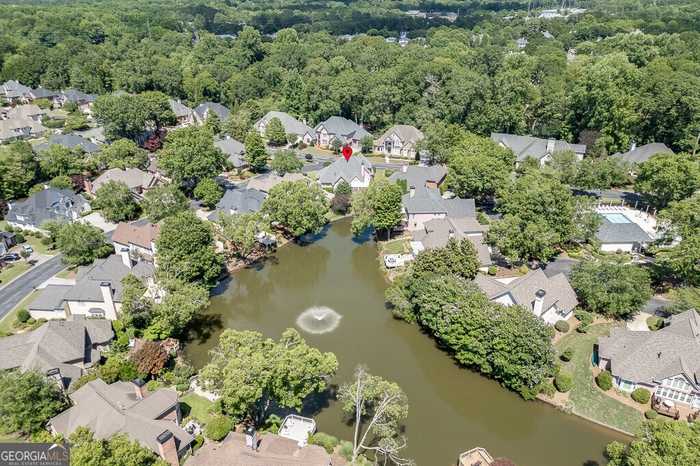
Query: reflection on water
column 451, row 409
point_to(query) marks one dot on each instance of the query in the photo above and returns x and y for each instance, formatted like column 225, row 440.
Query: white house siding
column 82, row 308
column 506, row 300
column 418, row 221
column 134, row 250
column 613, row 247
column 48, row 315
column 552, row 315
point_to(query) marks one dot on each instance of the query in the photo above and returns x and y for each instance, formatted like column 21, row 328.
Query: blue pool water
column 616, row 218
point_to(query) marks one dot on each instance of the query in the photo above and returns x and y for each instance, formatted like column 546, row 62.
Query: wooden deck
column 475, row 457
column 676, row 412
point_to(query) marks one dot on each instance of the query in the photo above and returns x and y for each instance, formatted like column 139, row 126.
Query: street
column 12, row 293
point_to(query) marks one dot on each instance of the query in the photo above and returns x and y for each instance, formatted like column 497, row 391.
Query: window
column 674, row 395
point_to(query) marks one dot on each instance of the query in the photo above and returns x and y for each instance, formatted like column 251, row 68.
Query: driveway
column 12, row 293
column 560, row 265
column 639, row 322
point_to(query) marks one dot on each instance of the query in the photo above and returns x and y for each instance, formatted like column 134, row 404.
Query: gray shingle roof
column 239, row 201
column 419, row 176
column 346, row 170
column 113, row 409
column 409, row 135
column 13, row 89
column 50, row 298
column 69, row 141
column 643, row 153
column 639, row 356
column 268, row 181
column 202, row 110
column 528, row 146
column 179, row 109
column 74, row 95
column 291, row 125
column 134, row 178
column 336, row 125
column 234, row 151
column 523, row 289
column 437, row 233
column 42, row 93
column 111, row 270
column 610, row 232
column 49, row 204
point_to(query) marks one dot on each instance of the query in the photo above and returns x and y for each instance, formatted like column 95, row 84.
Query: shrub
column 655, row 323
column 548, row 389
column 153, row 385
column 585, row 317
column 23, row 315
column 583, row 328
column 563, row 382
column 562, row 326
column 19, row 237
column 641, row 395
column 198, row 442
column 567, row 354
column 523, row 269
column 650, row 414
column 218, row 427
column 328, row 442
column 345, row 450
column 46, row 241
column 604, row 380
column 492, row 270
column 482, row 218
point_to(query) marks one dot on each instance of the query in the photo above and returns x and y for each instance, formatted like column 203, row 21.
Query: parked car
column 28, row 248
column 308, row 157
column 13, row 256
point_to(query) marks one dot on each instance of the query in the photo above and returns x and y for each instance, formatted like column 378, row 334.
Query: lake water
column 450, row 408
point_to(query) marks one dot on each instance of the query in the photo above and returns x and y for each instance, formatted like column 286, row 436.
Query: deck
column 475, row 457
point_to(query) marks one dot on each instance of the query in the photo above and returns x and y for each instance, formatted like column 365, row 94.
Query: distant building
column 399, row 141
column 21, row 122
column 234, row 152
column 136, row 241
column 203, row 110
column 138, row 181
column 69, row 141
column 268, row 181
column 184, row 115
column 238, row 201
column 300, row 129
column 640, row 154
column 345, row 131
column 357, row 172
column 617, row 232
column 51, row 204
column 538, row 148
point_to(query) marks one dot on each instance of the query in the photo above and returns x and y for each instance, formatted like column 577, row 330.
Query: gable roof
column 649, row 357
column 418, row 176
column 343, row 169
column 437, row 232
column 110, row 270
column 132, row 177
column 339, row 126
column 609, row 232
column 239, row 201
column 291, row 125
column 179, row 109
column 24, row 111
column 202, row 109
column 49, row 204
column 528, row 146
column 13, row 89
column 69, row 141
column 74, row 95
column 557, row 289
column 42, row 93
column 407, row 134
column 108, row 410
column 233, row 150
column 268, row 181
column 50, row 298
column 643, row 153
column 139, row 233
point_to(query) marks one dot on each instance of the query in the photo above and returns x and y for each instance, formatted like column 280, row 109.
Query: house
column 234, row 152
column 82, row 100
column 416, row 176
column 184, row 115
column 436, row 233
column 551, row 299
column 7, row 240
column 399, row 141
column 341, row 129
column 618, row 233
column 98, row 287
column 422, row 204
column 135, row 241
column 301, row 130
column 13, row 92
column 203, row 110
column 69, row 141
column 666, row 362
column 637, row 155
column 51, row 204
column 24, row 112
column 21, row 122
column 49, row 304
column 538, row 148
column 63, row 349
column 136, row 179
column 238, row 201
column 41, row 93
column 95, row 135
column 151, row 419
column 357, row 171
column 268, row 181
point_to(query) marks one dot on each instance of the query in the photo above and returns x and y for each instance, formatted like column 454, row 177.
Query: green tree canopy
column 286, row 161
column 658, row 443
column 81, row 243
column 189, row 155
column 209, row 192
column 378, row 206
column 116, row 202
column 163, row 201
column 58, row 160
column 255, row 153
column 18, row 169
column 27, row 401
column 298, row 207
column 122, row 153
column 240, row 232
column 274, row 132
column 86, row 450
column 668, row 177
column 182, row 303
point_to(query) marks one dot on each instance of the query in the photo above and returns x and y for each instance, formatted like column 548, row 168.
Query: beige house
column 136, row 179
column 135, row 241
column 399, row 141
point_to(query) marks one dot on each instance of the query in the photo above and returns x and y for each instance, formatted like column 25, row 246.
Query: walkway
column 12, row 293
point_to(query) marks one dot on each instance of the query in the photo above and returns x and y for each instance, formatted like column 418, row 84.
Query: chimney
column 412, row 191
column 140, row 388
column 539, row 302
column 550, row 146
column 110, row 309
column 167, row 449
column 404, row 168
column 124, row 253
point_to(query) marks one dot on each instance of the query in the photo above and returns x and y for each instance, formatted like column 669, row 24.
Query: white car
column 28, row 248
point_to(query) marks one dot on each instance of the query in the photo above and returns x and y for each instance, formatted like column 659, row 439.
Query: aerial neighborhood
column 232, row 235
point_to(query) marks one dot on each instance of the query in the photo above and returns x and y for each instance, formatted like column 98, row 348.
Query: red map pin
column 347, row 152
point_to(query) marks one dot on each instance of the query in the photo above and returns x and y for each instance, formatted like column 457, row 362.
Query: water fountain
column 318, row 319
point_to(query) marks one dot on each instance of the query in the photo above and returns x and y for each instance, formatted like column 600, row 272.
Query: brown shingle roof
column 138, row 233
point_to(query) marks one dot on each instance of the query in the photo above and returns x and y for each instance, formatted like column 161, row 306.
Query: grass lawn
column 12, row 271
column 9, row 318
column 399, row 246
column 67, row 273
column 196, row 406
column 585, row 398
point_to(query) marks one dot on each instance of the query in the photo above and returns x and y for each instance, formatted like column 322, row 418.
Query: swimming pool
column 616, row 218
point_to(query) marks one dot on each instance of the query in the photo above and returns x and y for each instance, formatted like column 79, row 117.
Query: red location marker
column 347, row 152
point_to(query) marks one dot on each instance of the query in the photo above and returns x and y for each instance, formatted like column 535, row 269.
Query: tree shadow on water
column 202, row 328
column 317, row 402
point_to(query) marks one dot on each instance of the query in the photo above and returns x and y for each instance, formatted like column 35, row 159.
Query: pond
column 451, row 409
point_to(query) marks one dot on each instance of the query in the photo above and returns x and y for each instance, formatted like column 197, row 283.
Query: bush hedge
column 345, row 450
column 23, row 315
column 655, row 323
column 641, row 395
column 563, row 382
column 567, row 354
column 218, row 427
column 585, row 317
column 562, row 326
column 604, row 380
column 328, row 442
column 650, row 414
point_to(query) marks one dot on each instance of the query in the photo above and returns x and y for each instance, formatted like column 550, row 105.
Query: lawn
column 9, row 318
column 585, row 398
column 399, row 246
column 196, row 406
column 12, row 270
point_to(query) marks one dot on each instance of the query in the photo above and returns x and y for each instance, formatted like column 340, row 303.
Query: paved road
column 12, row 293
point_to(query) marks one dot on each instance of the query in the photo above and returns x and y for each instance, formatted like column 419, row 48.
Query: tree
column 163, row 201
column 367, row 144
column 181, row 304
column 27, row 401
column 122, row 153
column 251, row 372
column 118, row 450
column 58, row 160
column 185, row 250
column 458, row 257
column 117, row 367
column 115, row 200
column 212, row 123
column 130, row 115
column 286, row 162
column 81, row 243
column 18, row 169
column 241, row 230
column 377, row 409
column 667, row 177
column 658, row 443
column 76, row 122
column 61, row 182
column 150, row 358
column 274, row 132
column 209, row 192
column 681, row 220
column 611, row 289
column 189, row 156
column 255, row 153
column 379, row 206
column 298, row 207
column 478, row 167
